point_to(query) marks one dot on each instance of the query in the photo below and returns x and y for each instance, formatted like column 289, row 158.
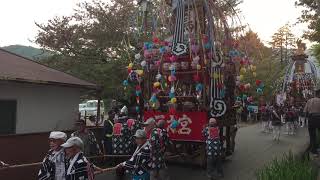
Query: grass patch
column 288, row 167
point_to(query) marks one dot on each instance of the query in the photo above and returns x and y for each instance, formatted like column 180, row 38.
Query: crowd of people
column 274, row 117
column 146, row 142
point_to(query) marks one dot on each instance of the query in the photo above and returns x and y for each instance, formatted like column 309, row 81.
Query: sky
column 266, row 16
column 17, row 17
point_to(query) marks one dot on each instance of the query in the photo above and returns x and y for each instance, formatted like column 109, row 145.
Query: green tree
column 252, row 45
column 311, row 16
column 316, row 52
column 92, row 43
column 283, row 42
column 99, row 39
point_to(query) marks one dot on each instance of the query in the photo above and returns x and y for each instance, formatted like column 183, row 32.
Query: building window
column 8, row 111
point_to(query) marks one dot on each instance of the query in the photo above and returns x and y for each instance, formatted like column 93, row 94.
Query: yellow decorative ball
column 140, row 72
column 243, row 70
column 156, row 84
column 215, row 75
column 254, row 68
column 130, row 65
column 173, row 100
column 241, row 77
column 199, row 67
column 254, row 74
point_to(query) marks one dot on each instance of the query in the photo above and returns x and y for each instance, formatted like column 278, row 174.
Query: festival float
column 186, row 69
column 300, row 78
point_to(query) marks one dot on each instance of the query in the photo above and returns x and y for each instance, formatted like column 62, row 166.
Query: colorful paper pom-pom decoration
column 162, row 50
column 253, row 68
column 172, row 78
column 198, row 67
column 125, row 83
column 241, row 77
column 195, row 48
column 156, row 84
column 137, row 56
column 143, row 63
column 158, row 77
column 244, row 97
column 254, row 74
column 199, row 87
column 173, row 100
column 174, row 124
column 243, row 70
column 247, row 86
column 156, row 40
column 259, row 90
column 258, row 82
column 196, row 59
column 171, row 95
column 139, row 72
column 207, row 45
column 153, row 99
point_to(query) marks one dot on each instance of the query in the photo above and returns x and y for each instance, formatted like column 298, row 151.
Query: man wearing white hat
column 53, row 165
column 78, row 167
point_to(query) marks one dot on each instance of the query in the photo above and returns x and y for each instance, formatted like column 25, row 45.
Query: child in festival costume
column 214, row 149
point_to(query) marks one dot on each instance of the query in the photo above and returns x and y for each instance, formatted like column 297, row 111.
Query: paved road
column 254, row 149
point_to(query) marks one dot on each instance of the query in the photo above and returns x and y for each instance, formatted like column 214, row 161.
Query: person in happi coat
column 214, row 149
column 138, row 164
column 264, row 119
column 108, row 132
column 290, row 118
column 276, row 122
column 121, row 134
column 120, row 138
column 157, row 139
column 91, row 146
column 133, row 127
column 77, row 165
column 53, row 165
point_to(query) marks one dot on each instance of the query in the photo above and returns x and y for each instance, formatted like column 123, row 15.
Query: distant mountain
column 27, row 51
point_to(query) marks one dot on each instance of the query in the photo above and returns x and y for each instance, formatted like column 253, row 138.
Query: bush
column 288, row 168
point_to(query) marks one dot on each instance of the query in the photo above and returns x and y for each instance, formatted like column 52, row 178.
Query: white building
column 35, row 98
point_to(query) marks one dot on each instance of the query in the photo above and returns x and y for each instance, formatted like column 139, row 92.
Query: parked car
column 82, row 109
column 90, row 108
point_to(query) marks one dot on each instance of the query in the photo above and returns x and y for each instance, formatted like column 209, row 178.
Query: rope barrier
column 92, row 157
column 39, row 163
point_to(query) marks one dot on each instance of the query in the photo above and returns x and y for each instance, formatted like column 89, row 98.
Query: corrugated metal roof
column 17, row 68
